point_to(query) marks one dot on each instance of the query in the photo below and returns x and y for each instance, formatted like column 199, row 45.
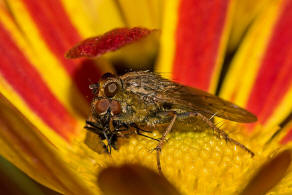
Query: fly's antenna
column 94, row 87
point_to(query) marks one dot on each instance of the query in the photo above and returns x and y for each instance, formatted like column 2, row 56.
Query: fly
column 144, row 98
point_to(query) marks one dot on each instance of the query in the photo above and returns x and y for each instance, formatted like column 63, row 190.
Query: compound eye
column 115, row 107
column 102, row 105
column 111, row 89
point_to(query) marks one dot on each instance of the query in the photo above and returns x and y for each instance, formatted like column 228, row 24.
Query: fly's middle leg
column 162, row 142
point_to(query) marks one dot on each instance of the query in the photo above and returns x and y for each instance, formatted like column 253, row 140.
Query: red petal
column 198, row 38
column 110, row 41
column 193, row 41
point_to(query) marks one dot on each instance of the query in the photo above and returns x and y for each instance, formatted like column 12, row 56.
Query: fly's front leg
column 221, row 133
column 162, row 142
column 138, row 131
column 121, row 129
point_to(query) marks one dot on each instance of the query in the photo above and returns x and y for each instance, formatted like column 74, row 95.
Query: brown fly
column 144, row 98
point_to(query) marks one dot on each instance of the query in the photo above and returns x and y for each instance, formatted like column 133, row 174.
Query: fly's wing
column 161, row 90
column 206, row 104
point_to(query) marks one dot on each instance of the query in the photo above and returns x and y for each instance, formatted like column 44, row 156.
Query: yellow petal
column 133, row 179
column 31, row 152
column 245, row 12
column 94, row 17
column 144, row 13
column 272, row 177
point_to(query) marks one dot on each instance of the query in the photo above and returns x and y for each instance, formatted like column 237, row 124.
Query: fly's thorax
column 134, row 108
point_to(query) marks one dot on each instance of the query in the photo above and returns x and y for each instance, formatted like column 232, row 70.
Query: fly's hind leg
column 220, row 133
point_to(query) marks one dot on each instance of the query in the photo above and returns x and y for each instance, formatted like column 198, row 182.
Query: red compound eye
column 115, row 107
column 102, row 105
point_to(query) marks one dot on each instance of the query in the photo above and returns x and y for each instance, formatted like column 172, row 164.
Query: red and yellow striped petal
column 193, row 40
column 48, row 89
column 57, row 35
column 20, row 80
column 264, row 67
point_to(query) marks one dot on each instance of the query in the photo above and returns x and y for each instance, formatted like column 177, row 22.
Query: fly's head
column 120, row 102
column 104, row 107
column 104, row 102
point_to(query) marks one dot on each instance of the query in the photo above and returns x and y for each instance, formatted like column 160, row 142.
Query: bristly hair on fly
column 144, row 98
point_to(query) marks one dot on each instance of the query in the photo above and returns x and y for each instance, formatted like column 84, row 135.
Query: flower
column 43, row 95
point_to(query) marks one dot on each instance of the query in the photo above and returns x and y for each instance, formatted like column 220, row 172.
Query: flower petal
column 30, row 151
column 284, row 186
column 133, row 179
column 91, row 18
column 265, row 179
column 264, row 67
column 45, row 33
column 14, row 181
column 146, row 13
column 110, row 41
column 287, row 130
column 193, row 41
column 42, row 84
column 246, row 12
column 22, row 85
